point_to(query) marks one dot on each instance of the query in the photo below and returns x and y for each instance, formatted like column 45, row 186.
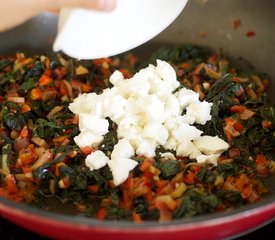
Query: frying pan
column 203, row 22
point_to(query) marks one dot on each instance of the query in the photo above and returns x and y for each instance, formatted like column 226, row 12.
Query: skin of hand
column 15, row 12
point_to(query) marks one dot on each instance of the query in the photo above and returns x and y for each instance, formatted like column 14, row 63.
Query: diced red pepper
column 189, row 177
column 60, row 139
column 86, row 150
column 25, row 108
column 236, row 109
column 250, row 34
column 247, row 191
column 10, row 184
column 101, row 214
column 185, row 65
column 246, row 114
column 234, row 152
column 86, row 88
column 44, row 80
column 266, row 124
column 137, row 217
column 63, row 89
column 241, row 182
column 145, row 164
column 262, row 170
column 93, row 188
column 24, row 132
column 25, row 159
column 195, row 168
column 260, row 159
column 75, row 119
column 36, row 94
column 229, row 120
column 238, row 126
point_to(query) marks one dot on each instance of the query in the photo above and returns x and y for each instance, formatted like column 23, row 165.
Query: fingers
column 100, row 5
column 14, row 12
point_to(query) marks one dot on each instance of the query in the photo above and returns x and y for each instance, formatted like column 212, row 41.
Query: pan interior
column 37, row 35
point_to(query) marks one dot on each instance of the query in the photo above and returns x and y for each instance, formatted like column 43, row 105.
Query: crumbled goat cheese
column 186, row 132
column 199, row 111
column 146, row 147
column 185, row 149
column 87, row 138
column 211, row 145
column 147, row 110
column 168, row 155
column 121, row 163
column 96, row 125
column 213, row 159
column 186, row 96
column 96, row 160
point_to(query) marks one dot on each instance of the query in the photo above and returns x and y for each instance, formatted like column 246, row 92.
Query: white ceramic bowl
column 86, row 34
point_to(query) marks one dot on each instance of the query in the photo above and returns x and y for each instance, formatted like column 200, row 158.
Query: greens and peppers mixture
column 39, row 159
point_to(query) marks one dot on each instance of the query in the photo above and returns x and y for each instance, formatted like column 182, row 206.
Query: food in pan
column 182, row 136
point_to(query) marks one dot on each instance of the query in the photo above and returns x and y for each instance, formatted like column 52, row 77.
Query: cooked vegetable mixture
column 39, row 159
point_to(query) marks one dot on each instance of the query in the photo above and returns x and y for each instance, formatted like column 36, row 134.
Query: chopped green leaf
column 46, row 129
column 168, row 168
column 27, row 85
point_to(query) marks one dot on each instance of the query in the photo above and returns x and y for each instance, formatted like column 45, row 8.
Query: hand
column 14, row 12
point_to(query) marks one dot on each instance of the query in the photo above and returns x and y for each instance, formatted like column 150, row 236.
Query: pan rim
column 208, row 219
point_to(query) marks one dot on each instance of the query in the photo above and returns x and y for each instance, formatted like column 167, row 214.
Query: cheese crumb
column 121, row 163
column 96, row 160
column 213, row 159
column 200, row 111
column 211, row 145
column 87, row 138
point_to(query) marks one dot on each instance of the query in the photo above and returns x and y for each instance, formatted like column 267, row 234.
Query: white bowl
column 87, row 34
